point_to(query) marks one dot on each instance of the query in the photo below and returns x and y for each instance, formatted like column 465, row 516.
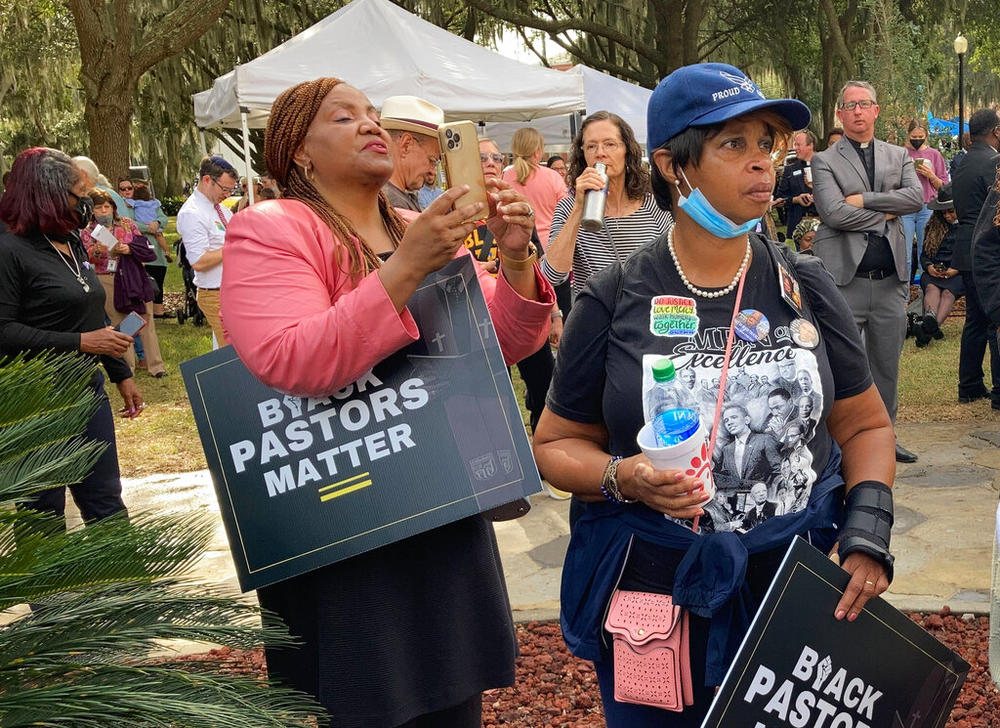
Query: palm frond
column 45, row 407
column 123, row 622
column 103, row 595
column 111, row 695
column 42, row 384
column 45, row 465
column 38, row 557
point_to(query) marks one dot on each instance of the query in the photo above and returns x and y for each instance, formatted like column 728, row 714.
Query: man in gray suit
column 861, row 187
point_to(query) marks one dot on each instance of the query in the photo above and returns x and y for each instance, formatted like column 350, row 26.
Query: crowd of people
column 790, row 348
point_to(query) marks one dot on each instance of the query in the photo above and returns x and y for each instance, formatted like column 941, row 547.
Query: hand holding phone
column 460, row 153
column 105, row 341
column 131, row 324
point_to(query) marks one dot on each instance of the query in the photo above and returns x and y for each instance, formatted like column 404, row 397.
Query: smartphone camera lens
column 449, row 133
column 457, row 138
column 451, row 144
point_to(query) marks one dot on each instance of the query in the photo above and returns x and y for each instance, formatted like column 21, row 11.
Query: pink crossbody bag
column 650, row 634
column 652, row 659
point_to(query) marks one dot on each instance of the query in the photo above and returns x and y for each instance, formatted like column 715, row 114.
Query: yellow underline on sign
column 344, row 491
column 344, row 481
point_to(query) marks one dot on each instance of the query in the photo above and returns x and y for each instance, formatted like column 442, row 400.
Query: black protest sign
column 798, row 667
column 430, row 435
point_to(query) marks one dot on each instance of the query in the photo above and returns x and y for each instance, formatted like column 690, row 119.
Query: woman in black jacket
column 51, row 299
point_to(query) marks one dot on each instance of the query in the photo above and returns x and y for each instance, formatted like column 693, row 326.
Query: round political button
column 804, row 334
column 752, row 325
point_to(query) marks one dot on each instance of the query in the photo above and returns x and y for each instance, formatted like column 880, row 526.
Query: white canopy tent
column 386, row 51
column 603, row 92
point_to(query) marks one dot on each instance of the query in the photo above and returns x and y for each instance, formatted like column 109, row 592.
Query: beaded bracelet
column 609, row 483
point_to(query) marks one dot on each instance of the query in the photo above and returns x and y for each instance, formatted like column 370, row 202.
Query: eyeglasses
column 852, row 105
column 227, row 190
column 498, row 158
column 123, row 188
column 610, row 146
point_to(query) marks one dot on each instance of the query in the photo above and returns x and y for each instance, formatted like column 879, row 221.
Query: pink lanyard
column 222, row 218
column 724, row 374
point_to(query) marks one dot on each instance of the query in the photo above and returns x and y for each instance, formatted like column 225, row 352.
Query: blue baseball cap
column 709, row 93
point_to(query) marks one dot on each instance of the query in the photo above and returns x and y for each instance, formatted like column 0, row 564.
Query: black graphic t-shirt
column 772, row 441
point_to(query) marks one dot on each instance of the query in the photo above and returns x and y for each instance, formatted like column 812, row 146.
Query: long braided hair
column 291, row 115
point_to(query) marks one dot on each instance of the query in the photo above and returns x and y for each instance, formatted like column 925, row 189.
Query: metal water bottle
column 593, row 203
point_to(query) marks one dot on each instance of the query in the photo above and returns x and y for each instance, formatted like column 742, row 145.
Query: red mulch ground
column 556, row 690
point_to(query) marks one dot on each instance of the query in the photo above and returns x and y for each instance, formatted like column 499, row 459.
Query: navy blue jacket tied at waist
column 711, row 578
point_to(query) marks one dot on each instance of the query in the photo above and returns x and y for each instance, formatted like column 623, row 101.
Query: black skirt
column 407, row 629
column 953, row 284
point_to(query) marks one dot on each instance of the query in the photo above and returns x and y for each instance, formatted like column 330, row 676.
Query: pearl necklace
column 697, row 291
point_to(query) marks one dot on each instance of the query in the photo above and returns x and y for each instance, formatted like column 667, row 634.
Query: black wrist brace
column 867, row 526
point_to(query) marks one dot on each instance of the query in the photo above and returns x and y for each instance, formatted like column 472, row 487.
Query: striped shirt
column 613, row 243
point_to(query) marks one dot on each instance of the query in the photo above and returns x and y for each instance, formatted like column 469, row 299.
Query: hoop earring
column 307, row 172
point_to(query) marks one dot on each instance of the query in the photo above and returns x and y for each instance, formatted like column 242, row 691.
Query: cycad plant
column 103, row 595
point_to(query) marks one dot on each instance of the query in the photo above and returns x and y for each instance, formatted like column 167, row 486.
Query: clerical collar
column 860, row 145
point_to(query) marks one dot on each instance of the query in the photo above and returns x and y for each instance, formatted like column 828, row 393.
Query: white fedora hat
column 409, row 113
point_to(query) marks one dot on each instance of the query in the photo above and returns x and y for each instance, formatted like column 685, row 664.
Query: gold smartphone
column 460, row 153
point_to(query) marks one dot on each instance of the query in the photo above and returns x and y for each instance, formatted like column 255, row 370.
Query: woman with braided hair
column 314, row 294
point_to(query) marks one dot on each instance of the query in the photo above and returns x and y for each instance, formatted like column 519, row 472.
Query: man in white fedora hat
column 412, row 123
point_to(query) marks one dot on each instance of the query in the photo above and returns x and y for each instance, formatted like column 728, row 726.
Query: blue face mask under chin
column 699, row 209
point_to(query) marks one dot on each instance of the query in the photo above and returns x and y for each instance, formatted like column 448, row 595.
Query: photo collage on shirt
column 761, row 464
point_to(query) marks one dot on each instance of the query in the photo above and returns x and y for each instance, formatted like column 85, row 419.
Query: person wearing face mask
column 126, row 283
column 712, row 137
column 933, row 173
column 51, row 300
column 941, row 283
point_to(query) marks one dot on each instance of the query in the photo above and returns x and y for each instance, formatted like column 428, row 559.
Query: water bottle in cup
column 673, row 437
column 670, row 406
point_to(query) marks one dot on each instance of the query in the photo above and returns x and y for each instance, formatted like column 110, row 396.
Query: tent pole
column 246, row 153
column 204, row 143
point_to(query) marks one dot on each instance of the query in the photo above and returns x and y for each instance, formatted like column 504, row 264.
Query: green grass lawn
column 164, row 438
column 928, row 381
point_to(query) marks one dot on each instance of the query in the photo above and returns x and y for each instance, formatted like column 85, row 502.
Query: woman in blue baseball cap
column 731, row 310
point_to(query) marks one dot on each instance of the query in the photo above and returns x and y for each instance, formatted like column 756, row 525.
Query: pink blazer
column 296, row 319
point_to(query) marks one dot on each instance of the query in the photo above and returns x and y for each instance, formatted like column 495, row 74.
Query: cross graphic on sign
column 438, row 339
column 485, row 326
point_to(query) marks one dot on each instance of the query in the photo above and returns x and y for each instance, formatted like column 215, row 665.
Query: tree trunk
column 108, row 113
column 116, row 49
column 828, row 97
column 694, row 15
